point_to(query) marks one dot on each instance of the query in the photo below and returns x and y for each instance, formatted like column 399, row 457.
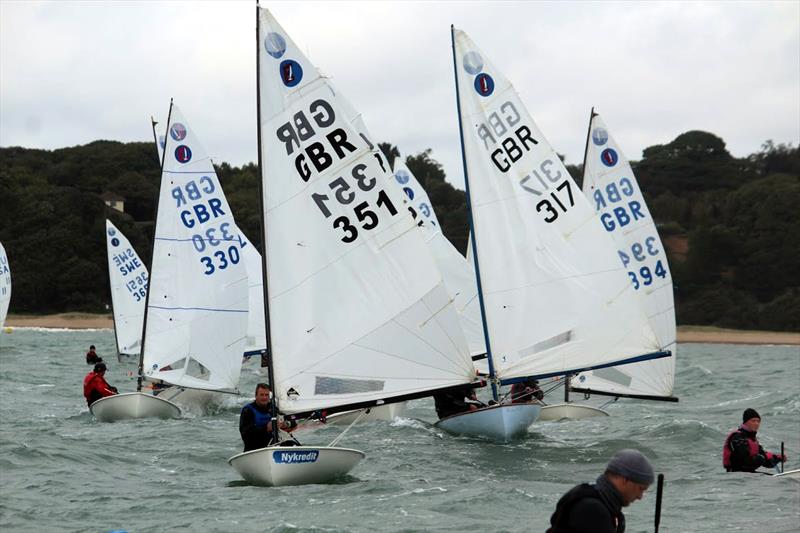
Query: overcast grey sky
column 74, row 72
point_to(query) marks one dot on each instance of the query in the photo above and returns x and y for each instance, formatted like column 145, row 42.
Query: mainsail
column 197, row 307
column 611, row 188
column 358, row 311
column 127, row 276
column 256, row 341
column 5, row 285
column 556, row 298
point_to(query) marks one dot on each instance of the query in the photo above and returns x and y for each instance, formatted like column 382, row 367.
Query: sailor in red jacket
column 742, row 451
column 95, row 385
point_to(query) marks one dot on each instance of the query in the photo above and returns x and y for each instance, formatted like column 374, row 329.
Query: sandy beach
column 703, row 334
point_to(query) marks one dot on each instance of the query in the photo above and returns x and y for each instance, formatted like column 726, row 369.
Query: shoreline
column 686, row 334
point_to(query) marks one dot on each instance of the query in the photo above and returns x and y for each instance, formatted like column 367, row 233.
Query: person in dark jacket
column 742, row 451
column 455, row 400
column 255, row 421
column 526, row 391
column 95, row 385
column 91, row 356
column 598, row 508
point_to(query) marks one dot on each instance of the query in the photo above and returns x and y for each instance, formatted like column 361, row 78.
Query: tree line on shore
column 730, row 225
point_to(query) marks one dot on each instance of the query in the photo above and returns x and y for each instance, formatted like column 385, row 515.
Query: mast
column 270, row 367
column 113, row 315
column 472, row 223
column 150, row 266
column 586, row 146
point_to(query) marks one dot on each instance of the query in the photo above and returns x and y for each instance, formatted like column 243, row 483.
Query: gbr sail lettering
column 618, row 207
column 353, row 201
column 199, row 208
column 507, row 139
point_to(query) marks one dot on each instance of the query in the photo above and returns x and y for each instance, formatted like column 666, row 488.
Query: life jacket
column 565, row 504
column 727, row 450
column 259, row 419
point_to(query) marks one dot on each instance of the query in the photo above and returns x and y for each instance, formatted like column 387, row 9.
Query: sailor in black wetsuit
column 598, row 508
column 455, row 400
column 255, row 421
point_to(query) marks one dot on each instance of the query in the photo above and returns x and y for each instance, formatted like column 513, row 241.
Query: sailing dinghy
column 357, row 313
column 127, row 275
column 5, row 286
column 554, row 297
column 197, row 304
column 611, row 188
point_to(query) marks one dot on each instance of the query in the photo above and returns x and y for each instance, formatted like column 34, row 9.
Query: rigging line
column 338, row 438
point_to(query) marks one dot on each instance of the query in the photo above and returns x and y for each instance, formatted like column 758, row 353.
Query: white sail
column 127, row 275
column 5, row 285
column 457, row 272
column 555, row 294
column 611, row 188
column 197, row 309
column 256, row 340
column 358, row 311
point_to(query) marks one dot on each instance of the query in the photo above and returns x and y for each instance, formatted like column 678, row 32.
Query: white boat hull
column 382, row 412
column 279, row 466
column 133, row 405
column 190, row 399
column 569, row 411
column 791, row 474
column 502, row 422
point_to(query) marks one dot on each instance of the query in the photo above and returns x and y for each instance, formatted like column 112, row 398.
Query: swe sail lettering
column 318, row 153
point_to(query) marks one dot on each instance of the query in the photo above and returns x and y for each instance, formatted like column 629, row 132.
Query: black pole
column 782, row 456
column 472, row 224
column 586, row 147
column 270, row 367
column 152, row 250
column 567, row 380
column 659, row 494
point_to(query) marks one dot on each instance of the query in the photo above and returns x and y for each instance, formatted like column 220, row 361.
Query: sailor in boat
column 526, row 391
column 742, row 451
column 255, row 421
column 598, row 508
column 95, row 385
column 456, row 400
column 91, row 356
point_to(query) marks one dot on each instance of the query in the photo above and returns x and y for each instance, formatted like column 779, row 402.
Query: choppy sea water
column 60, row 470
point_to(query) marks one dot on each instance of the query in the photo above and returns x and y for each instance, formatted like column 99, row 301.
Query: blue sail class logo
column 609, row 157
column 177, row 131
column 114, row 242
column 473, row 62
column 292, row 457
column 401, row 176
column 599, row 136
column 111, row 232
column 484, row 84
column 409, row 192
column 291, row 72
column 275, row 44
column 183, row 154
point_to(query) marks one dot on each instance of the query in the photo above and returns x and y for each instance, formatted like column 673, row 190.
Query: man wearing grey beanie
column 598, row 508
